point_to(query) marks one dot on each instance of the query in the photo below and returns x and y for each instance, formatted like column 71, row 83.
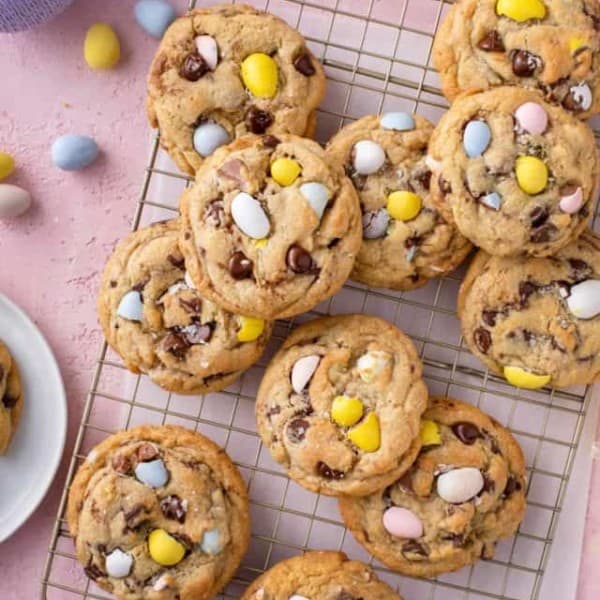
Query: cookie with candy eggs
column 406, row 240
column 340, row 405
column 229, row 70
column 517, row 175
column 11, row 398
column 155, row 319
column 549, row 45
column 319, row 575
column 465, row 492
column 159, row 511
column 270, row 228
column 536, row 320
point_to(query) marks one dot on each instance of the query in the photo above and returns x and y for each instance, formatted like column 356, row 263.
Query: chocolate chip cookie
column 11, row 398
column 536, row 320
column 319, row 576
column 508, row 170
column 270, row 228
column 552, row 46
column 155, row 319
column 406, row 241
column 228, row 70
column 159, row 512
column 465, row 492
column 340, row 404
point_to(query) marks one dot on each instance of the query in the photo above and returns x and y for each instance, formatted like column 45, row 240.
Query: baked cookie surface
column 340, row 404
column 465, row 492
column 11, row 398
column 228, row 70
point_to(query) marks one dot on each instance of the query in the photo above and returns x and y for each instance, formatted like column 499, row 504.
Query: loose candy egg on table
column 460, row 485
column 14, row 200
column 584, row 300
column 317, row 195
column 346, row 411
column 208, row 136
column 101, row 48
column 164, row 548
column 302, row 372
column 368, row 157
column 118, row 563
column 260, row 75
column 7, row 165
column 250, row 329
column 285, row 171
column 153, row 473
column 74, row 152
column 476, row 138
column 525, row 379
column 154, row 16
column 403, row 523
column 250, row 217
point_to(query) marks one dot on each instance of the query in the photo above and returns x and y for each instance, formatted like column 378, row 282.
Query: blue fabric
column 18, row 15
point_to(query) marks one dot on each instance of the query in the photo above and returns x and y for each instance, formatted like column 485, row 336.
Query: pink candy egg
column 403, row 523
column 532, row 118
column 572, row 203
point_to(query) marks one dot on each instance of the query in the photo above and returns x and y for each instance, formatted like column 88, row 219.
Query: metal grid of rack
column 377, row 57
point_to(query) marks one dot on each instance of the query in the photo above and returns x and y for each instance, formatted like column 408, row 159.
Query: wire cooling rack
column 377, row 58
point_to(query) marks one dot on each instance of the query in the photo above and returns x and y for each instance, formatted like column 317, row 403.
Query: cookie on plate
column 159, row 512
column 228, row 70
column 536, row 320
column 406, row 241
column 465, row 492
column 159, row 324
column 509, row 172
column 340, row 405
column 270, row 228
column 319, row 575
column 11, row 398
column 549, row 45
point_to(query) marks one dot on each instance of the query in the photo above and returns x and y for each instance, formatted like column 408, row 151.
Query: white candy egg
column 131, row 306
column 153, row 473
column 303, row 370
column 208, row 137
column 368, row 157
column 207, row 49
column 118, row 564
column 584, row 301
column 371, row 364
column 460, row 485
column 249, row 216
column 211, row 542
column 298, row 597
column 14, row 201
column 317, row 195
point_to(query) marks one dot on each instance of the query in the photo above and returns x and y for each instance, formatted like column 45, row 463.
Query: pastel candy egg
column 521, row 10
column 249, row 216
column 571, row 203
column 260, row 75
column 118, row 564
column 152, row 473
column 398, row 121
column 476, row 138
column 346, row 411
column 317, row 195
column 403, row 523
column 580, row 97
column 525, row 379
column 371, row 364
column 404, row 206
column 154, row 16
column 367, row 434
column 492, row 200
column 208, row 50
column 368, row 157
column 298, row 597
column 532, row 118
column 250, row 329
column 532, row 174
column 164, row 548
column 208, row 136
column 375, row 223
column 430, row 433
column 211, row 542
column 584, row 301
column 7, row 165
column 74, row 152
column 285, row 171
column 14, row 201
column 460, row 485
column 101, row 47
column 131, row 306
column 302, row 372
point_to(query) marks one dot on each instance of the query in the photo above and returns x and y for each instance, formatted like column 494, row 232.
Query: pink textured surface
column 52, row 257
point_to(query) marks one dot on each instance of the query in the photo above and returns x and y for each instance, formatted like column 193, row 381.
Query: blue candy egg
column 74, row 152
column 154, row 16
column 154, row 474
column 211, row 542
column 493, row 200
column 131, row 306
column 399, row 121
column 476, row 138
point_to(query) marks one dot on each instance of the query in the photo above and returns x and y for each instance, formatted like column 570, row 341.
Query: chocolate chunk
column 444, row 186
column 147, row 452
column 303, row 64
column 424, row 179
column 131, row 516
column 492, row 42
column 543, row 234
column 240, row 266
column 193, row 67
column 413, row 547
column 489, row 485
column 405, row 482
column 193, row 306
column 512, row 486
column 539, row 215
column 457, row 539
column 93, row 572
column 334, row 242
column 198, row 333
column 573, row 100
column 467, row 433
column 121, row 464
column 258, row 121
column 489, row 317
column 524, row 64
column 270, row 141
column 140, row 285
column 274, row 410
column 176, row 261
column 526, row 290
column 214, row 213
column 296, row 430
column 9, row 401
column 176, row 343
column 172, row 508
column 483, row 339
column 326, row 471
column 579, row 265
column 299, row 260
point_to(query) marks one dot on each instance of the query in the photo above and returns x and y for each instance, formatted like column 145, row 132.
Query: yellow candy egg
column 260, row 243
column 575, row 44
column 524, row 379
column 260, row 74
column 101, row 48
column 285, row 171
column 532, row 174
column 346, row 411
column 430, row 433
column 164, row 548
column 7, row 165
column 521, row 10
column 250, row 329
column 404, row 206
column 366, row 435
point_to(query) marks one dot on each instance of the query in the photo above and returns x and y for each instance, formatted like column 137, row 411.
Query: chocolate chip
column 193, row 67
column 240, row 266
column 539, row 215
column 9, row 401
column 492, row 42
column 214, row 213
column 424, row 179
column 467, row 433
column 258, row 121
column 524, row 64
column 489, row 317
column 176, row 343
column 489, row 485
column 296, row 430
column 270, row 141
column 543, row 234
column 93, row 572
column 177, row 262
column 526, row 290
column 413, row 547
column 444, row 186
column 334, row 242
column 483, row 339
column 140, row 285
column 193, row 306
column 121, row 464
column 512, row 486
column 198, row 333
column 113, row 283
column 172, row 508
column 299, row 260
column 303, row 64
column 146, row 453
column 324, row 470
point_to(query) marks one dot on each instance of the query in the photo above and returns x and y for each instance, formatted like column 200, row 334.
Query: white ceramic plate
column 28, row 468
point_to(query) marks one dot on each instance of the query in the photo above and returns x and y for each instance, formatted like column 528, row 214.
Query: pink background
column 52, row 256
